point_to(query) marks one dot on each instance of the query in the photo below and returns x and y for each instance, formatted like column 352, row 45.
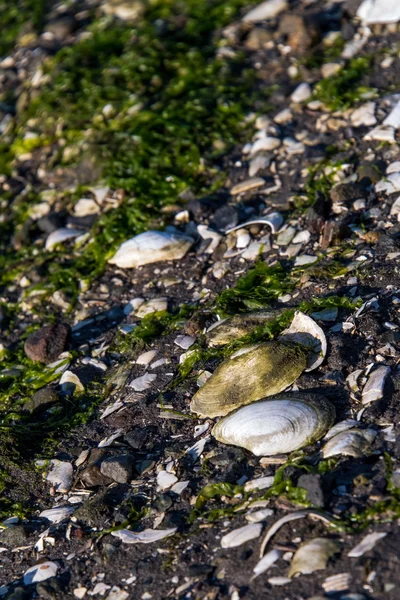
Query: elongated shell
column 277, row 425
column 262, row 370
column 304, row 330
column 352, row 442
column 150, row 247
column 228, row 330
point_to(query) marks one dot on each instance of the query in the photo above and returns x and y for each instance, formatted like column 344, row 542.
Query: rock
column 301, row 93
column 19, row 593
column 13, row 536
column 50, row 222
column 258, row 39
column 225, row 218
column 119, row 468
column 299, row 32
column 46, row 344
column 312, row 483
column 364, row 115
column 41, row 400
column 62, row 27
column 346, row 192
column 266, row 10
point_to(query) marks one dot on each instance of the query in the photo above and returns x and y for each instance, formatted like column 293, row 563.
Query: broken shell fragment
column 150, row 247
column 256, row 372
column 352, row 442
column 304, row 330
column 312, row 556
column 373, row 389
column 228, row 330
column 240, row 536
column 277, row 425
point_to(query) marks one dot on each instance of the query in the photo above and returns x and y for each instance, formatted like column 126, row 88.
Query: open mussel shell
column 150, row 247
column 252, row 373
column 228, row 330
column 304, row 330
column 277, row 425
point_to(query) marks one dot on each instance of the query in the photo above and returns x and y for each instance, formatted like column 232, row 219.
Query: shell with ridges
column 259, row 371
column 352, row 442
column 277, row 425
column 150, row 247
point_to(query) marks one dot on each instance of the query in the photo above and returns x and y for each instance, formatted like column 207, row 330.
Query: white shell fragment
column 312, row 556
column 304, row 330
column 277, row 425
column 40, row 572
column 353, row 442
column 301, row 93
column 373, row 389
column 240, row 536
column 266, row 562
column 58, row 513
column 61, row 235
column 70, row 383
column 262, row 483
column 366, row 544
column 60, row 475
column 140, row 384
column 266, row 10
column 379, row 11
column 165, row 480
column 273, row 220
column 340, row 427
column 259, row 515
column 147, row 536
column 150, row 247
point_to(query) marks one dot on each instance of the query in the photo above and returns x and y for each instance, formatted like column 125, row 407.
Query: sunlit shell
column 228, row 330
column 312, row 556
column 256, row 372
column 352, row 442
column 277, row 425
column 304, row 330
column 150, row 247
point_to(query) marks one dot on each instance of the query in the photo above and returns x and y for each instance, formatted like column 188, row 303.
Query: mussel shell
column 228, row 330
column 150, row 247
column 253, row 373
column 277, row 425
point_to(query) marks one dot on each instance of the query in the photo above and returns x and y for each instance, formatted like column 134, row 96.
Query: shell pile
column 247, row 387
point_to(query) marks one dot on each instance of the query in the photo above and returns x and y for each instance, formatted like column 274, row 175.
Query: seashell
column 262, row 370
column 366, row 544
column 277, row 425
column 266, row 562
column 352, row 442
column 40, row 572
column 304, row 330
column 58, row 513
column 61, row 235
column 147, row 536
column 240, row 536
column 373, row 389
column 228, row 330
column 312, row 556
column 70, row 383
column 273, row 220
column 340, row 427
column 60, row 475
column 150, row 247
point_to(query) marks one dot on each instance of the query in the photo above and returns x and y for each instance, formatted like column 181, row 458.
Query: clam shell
column 304, row 330
column 150, row 247
column 312, row 556
column 256, row 372
column 277, row 425
column 228, row 330
column 352, row 442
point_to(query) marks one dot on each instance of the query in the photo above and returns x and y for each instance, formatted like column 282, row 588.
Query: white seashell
column 70, row 383
column 209, row 234
column 301, row 93
column 266, row 562
column 337, row 583
column 273, row 220
column 60, row 475
column 373, row 389
column 40, row 572
column 279, row 580
column 265, row 144
column 165, row 480
column 143, row 537
column 340, row 427
column 179, row 487
column 85, row 207
column 117, row 594
column 266, row 10
column 184, row 341
column 259, row 515
column 195, row 451
column 58, row 513
column 61, row 235
column 146, row 358
column 151, row 306
column 312, row 556
column 277, row 425
column 247, row 185
column 352, row 380
column 366, row 544
column 379, row 11
column 353, row 442
column 110, row 439
column 240, row 536
column 389, row 184
column 304, row 330
column 262, row 483
column 301, row 514
column 140, row 384
column 150, row 247
column 200, row 429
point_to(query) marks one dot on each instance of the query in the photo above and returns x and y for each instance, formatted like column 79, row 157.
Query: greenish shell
column 229, row 330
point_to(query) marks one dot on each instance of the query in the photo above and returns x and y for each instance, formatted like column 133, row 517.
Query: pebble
column 393, row 118
column 152, row 306
column 389, row 184
column 373, row 389
column 329, row 69
column 301, row 93
column 184, row 341
column 258, row 163
column 265, row 144
column 364, row 115
column 379, row 11
column 286, row 236
column 382, row 133
column 118, row 468
column 46, row 344
column 60, row 475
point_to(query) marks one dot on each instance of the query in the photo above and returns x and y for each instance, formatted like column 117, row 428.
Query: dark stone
column 225, row 218
column 141, row 438
column 92, row 477
column 41, row 400
column 46, row 344
column 199, row 570
column 312, row 483
column 299, row 32
column 369, row 173
column 119, row 468
column 347, row 192
column 100, row 510
column 50, row 222
column 19, row 593
column 13, row 537
column 50, row 589
column 162, row 503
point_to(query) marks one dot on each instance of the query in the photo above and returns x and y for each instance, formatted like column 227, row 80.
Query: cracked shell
column 251, row 374
column 150, row 247
column 277, row 425
column 304, row 330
